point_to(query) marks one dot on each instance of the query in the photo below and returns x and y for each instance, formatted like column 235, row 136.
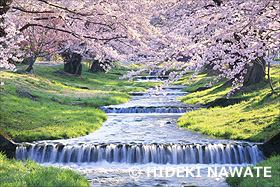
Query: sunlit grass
column 48, row 105
column 26, row 174
column 261, row 181
column 254, row 119
column 27, row 120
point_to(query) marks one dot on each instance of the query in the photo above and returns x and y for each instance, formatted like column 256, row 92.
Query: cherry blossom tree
column 9, row 39
column 101, row 26
column 40, row 42
column 231, row 36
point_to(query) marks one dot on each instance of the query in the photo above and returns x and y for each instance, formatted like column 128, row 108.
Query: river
column 141, row 145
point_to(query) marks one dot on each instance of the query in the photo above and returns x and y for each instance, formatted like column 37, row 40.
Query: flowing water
column 141, row 145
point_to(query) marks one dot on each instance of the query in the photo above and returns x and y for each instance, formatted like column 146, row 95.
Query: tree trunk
column 96, row 66
column 72, row 63
column 208, row 68
column 31, row 60
column 48, row 57
column 255, row 73
column 269, row 80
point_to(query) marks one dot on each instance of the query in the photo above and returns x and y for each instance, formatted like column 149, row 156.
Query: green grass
column 273, row 181
column 205, row 96
column 47, row 105
column 197, row 82
column 14, row 173
column 254, row 119
column 26, row 120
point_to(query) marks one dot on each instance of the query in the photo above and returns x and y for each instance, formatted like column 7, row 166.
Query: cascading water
column 150, row 78
column 142, row 153
column 128, row 139
column 146, row 110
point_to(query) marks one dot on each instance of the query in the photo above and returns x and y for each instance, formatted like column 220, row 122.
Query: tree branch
column 69, row 32
column 33, row 12
column 87, row 22
column 64, row 8
column 45, row 18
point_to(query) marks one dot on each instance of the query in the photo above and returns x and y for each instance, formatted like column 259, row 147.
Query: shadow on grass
column 267, row 131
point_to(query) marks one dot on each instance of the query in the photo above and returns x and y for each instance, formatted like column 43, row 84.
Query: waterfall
column 142, row 153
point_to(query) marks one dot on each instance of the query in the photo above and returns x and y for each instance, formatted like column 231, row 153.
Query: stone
column 137, row 93
column 138, row 119
column 8, row 147
column 271, row 146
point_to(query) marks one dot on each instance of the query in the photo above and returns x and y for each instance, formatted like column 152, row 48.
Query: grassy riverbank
column 51, row 105
column 254, row 118
column 28, row 174
column 261, row 181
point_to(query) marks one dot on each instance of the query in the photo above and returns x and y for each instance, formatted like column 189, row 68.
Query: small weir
column 146, row 110
column 142, row 153
column 159, row 94
column 152, row 77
